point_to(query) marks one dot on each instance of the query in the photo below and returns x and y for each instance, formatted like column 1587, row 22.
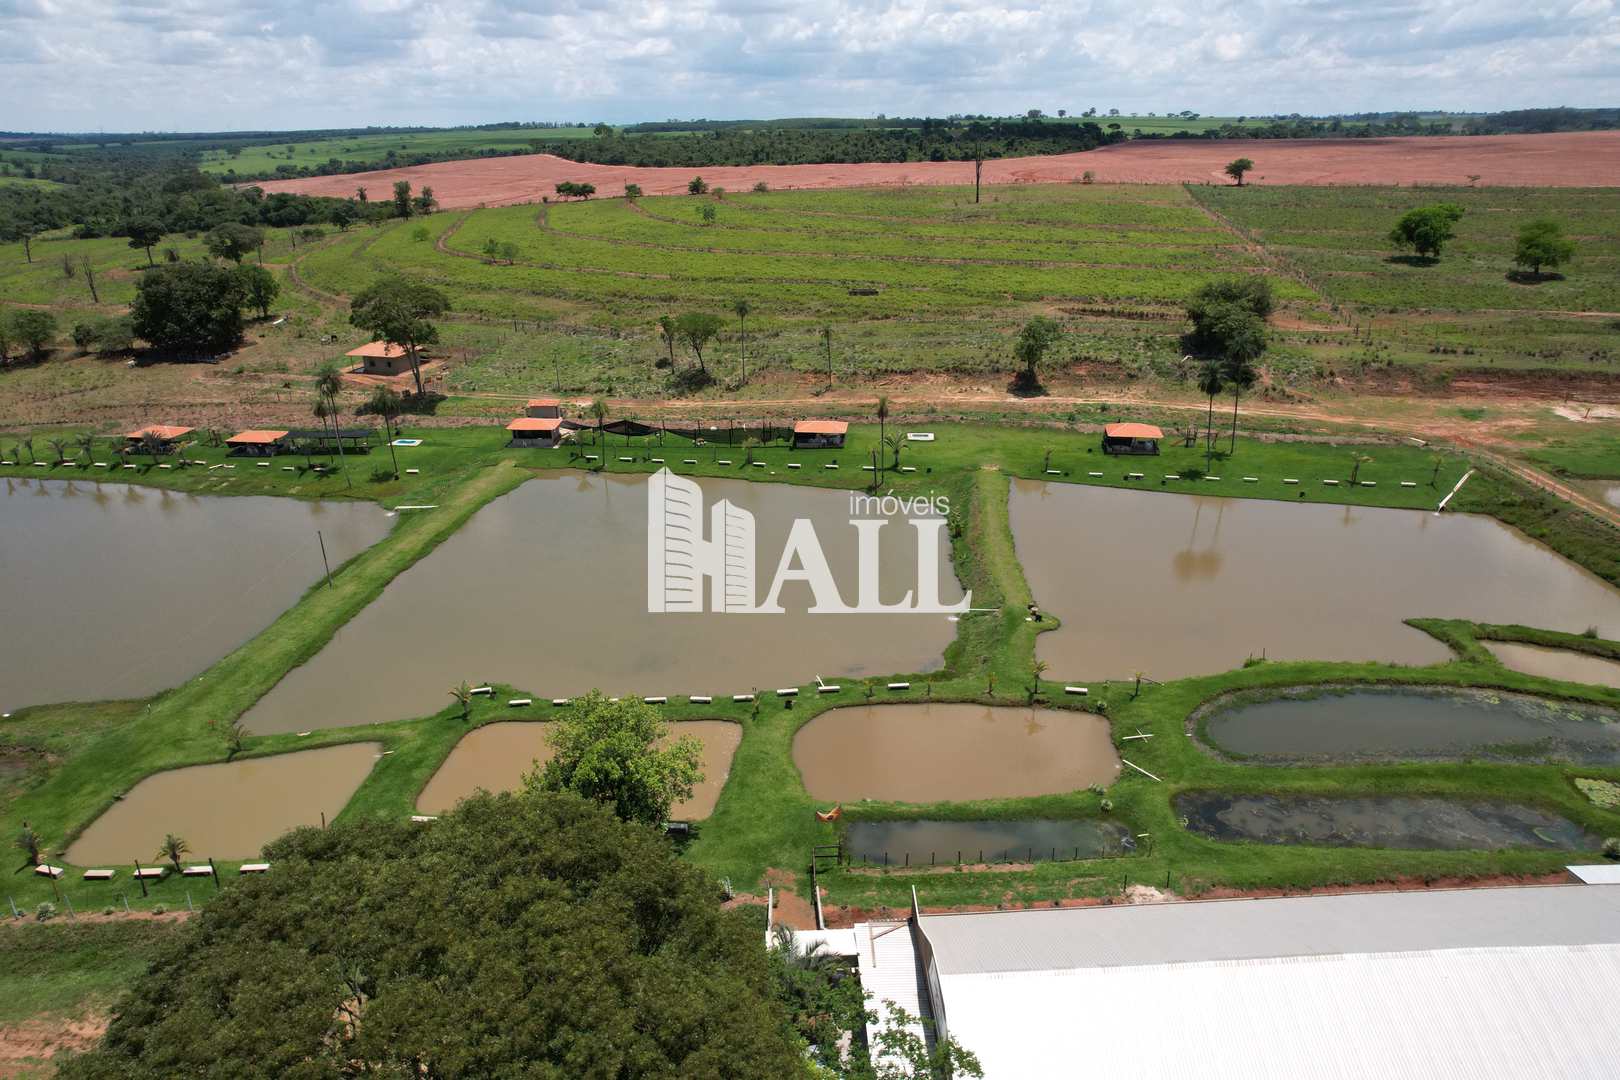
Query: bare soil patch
column 1572, row 159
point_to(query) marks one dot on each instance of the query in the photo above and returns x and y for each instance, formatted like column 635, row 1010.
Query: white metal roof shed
column 1482, row 983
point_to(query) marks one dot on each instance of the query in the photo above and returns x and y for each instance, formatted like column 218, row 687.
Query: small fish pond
column 1413, row 823
column 1328, row 725
column 496, row 757
column 228, row 810
column 923, row 843
column 952, row 753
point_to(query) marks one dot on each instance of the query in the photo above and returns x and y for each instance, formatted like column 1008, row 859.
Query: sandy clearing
column 1573, row 159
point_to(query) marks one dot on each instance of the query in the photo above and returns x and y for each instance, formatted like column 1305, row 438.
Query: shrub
column 1107, row 805
column 159, row 909
column 45, row 912
column 1611, row 848
column 761, row 187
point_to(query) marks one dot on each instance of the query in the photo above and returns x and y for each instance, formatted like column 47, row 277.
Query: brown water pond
column 924, row 843
column 546, row 589
column 1177, row 585
column 116, row 590
column 952, row 753
column 496, row 757
column 1315, row 725
column 1414, row 823
column 229, row 810
column 1565, row 664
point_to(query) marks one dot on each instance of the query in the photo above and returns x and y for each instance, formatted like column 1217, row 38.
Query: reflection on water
column 925, row 842
column 1415, row 823
column 950, row 753
column 1565, row 664
column 226, row 811
column 497, row 756
column 1416, row 724
column 1176, row 585
column 114, row 590
column 546, row 589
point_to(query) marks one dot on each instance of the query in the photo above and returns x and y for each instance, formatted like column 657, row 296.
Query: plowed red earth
column 1576, row 159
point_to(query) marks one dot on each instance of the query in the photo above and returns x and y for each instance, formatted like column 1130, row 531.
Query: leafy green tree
column 259, row 288
column 343, row 214
column 1542, row 243
column 607, row 751
column 1427, row 229
column 707, row 213
column 668, row 334
column 1236, row 169
column 190, row 308
column 1250, row 292
column 400, row 311
column 696, row 330
column 233, row 241
column 18, row 227
column 402, row 199
column 426, row 202
column 697, row 186
column 518, row 935
column 632, row 191
column 34, row 330
column 1038, row 335
column 144, row 233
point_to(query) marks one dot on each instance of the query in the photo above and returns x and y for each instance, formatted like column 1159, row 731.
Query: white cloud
column 220, row 64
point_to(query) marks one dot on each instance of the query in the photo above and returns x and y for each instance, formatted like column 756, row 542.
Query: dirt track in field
column 1574, row 159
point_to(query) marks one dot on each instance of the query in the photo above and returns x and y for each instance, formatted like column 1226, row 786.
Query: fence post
column 213, row 872
column 14, row 912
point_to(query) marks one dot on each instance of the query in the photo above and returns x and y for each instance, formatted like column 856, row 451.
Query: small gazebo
column 1130, row 438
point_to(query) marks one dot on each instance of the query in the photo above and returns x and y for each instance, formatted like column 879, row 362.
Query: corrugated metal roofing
column 1475, row 1014
column 887, row 961
column 1144, row 934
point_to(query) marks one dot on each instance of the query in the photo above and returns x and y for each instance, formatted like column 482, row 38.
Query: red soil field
column 1573, row 159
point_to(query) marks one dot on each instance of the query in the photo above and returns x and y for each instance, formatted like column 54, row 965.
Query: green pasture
column 373, row 149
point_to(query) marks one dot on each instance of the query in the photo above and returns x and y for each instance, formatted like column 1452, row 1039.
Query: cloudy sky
column 79, row 65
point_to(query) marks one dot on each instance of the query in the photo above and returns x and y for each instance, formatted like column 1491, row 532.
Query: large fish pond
column 1176, row 585
column 546, row 589
column 115, row 590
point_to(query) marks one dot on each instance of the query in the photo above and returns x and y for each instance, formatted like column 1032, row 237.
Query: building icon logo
column 687, row 562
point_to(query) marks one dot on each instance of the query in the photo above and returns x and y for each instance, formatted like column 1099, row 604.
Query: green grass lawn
column 68, row 968
column 373, row 149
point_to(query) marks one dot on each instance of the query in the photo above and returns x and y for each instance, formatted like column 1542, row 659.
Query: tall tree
column 259, row 288
column 400, row 311
column 608, row 752
column 192, row 308
column 34, row 330
column 1236, row 169
column 1211, row 381
column 232, row 241
column 17, row 227
column 402, row 199
column 1244, row 342
column 1427, row 229
column 697, row 329
column 667, row 334
column 144, row 233
column 826, row 344
column 742, row 309
column 1542, row 243
column 599, row 411
column 329, row 385
column 1038, row 335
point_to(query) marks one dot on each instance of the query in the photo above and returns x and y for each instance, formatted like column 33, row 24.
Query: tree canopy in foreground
column 521, row 935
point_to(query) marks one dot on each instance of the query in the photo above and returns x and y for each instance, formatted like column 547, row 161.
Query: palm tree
column 463, row 695
column 329, row 384
column 895, row 443
column 172, row 848
column 385, row 402
column 26, row 446
column 1036, row 670
column 1240, row 375
column 1140, row 675
column 666, row 332
column 742, row 309
column 87, row 446
column 1356, row 462
column 599, row 410
column 235, row 739
column 152, row 445
column 33, row 844
column 58, row 446
column 883, row 417
column 1211, row 380
column 826, row 343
